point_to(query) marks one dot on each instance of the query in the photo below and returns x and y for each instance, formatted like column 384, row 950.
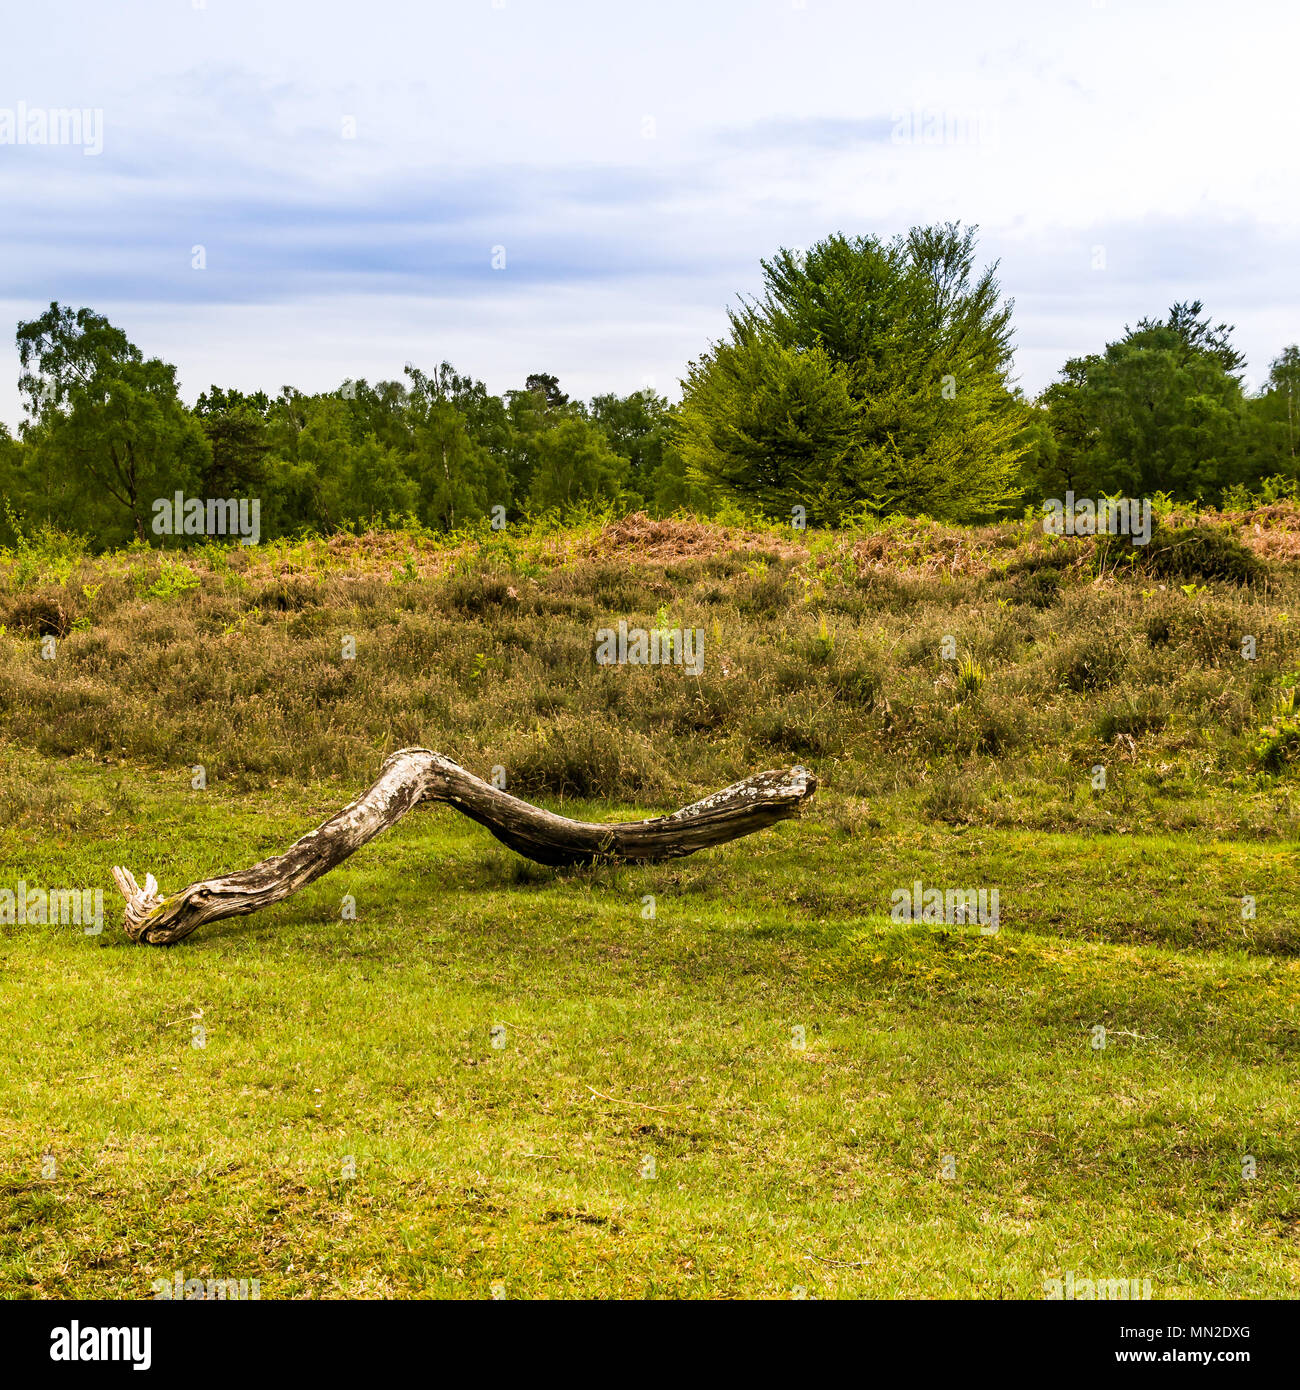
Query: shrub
column 1186, row 552
column 1279, row 743
column 1089, row 663
column 37, row 616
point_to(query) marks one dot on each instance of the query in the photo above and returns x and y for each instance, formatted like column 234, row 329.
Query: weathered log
column 414, row 775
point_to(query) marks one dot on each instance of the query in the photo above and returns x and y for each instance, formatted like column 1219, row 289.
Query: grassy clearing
column 776, row 1167
column 477, row 1164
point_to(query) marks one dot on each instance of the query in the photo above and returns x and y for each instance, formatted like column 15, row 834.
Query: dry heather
column 979, row 674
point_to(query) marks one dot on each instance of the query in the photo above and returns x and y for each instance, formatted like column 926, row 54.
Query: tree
column 110, row 420
column 1161, row 409
column 338, row 479
column 530, row 413
column 871, row 373
column 325, row 446
column 574, row 464
column 642, row 427
column 1049, row 468
column 547, row 387
column 13, row 485
column 379, row 484
column 638, row 428
column 379, row 411
column 64, row 351
column 1277, row 413
column 1195, row 336
column 670, row 488
column 37, row 489
column 235, row 427
column 459, row 480
column 486, row 418
column 768, row 422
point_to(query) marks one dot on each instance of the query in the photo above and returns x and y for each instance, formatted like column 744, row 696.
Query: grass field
column 502, row 1080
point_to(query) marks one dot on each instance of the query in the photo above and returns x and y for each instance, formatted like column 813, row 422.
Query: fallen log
column 414, row 775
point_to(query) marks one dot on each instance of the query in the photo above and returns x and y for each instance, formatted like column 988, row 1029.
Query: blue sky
column 348, row 170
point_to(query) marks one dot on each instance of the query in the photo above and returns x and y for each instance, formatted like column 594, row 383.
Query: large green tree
column 870, row 373
column 107, row 419
column 236, row 430
column 1161, row 409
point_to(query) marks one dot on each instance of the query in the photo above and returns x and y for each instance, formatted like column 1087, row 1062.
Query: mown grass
column 777, row 1169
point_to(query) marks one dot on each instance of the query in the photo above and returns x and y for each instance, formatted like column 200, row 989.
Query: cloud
column 526, row 127
column 110, row 235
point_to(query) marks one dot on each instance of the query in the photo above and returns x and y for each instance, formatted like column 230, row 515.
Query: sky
column 278, row 192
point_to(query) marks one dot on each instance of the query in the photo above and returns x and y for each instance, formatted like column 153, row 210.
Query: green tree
column 547, row 387
column 1161, row 409
column 379, row 411
column 642, row 427
column 530, row 413
column 236, row 430
column 110, row 421
column 767, row 422
column 670, row 487
column 459, row 480
column 14, row 487
column 487, row 419
column 325, row 446
column 1047, row 468
column 574, row 464
column 380, row 486
column 871, row 373
column 1276, row 411
column 638, row 427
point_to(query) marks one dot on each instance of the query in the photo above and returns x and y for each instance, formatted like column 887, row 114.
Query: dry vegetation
column 825, row 647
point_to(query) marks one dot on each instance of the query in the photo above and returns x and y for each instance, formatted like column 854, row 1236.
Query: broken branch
column 414, row 775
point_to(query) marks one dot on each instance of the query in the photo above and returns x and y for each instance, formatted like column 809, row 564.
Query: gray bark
column 414, row 775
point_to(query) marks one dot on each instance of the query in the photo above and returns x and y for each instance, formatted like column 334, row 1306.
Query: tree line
column 870, row 376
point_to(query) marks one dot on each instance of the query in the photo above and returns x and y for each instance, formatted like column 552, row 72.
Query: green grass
column 777, row 1169
column 335, row 1046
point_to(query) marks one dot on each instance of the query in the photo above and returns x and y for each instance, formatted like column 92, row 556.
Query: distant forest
column 871, row 376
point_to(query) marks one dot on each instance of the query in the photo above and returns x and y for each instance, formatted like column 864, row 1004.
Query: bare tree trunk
column 413, row 775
